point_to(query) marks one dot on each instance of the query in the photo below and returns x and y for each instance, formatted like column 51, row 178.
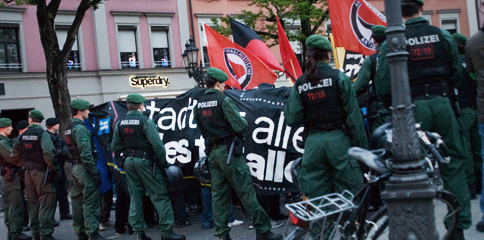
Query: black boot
column 268, row 236
column 226, row 237
column 472, row 191
column 174, row 236
column 47, row 238
column 82, row 236
column 142, row 236
column 22, row 236
column 96, row 236
column 458, row 234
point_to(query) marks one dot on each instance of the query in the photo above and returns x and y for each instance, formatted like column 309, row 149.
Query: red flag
column 245, row 70
column 248, row 39
column 351, row 21
column 289, row 60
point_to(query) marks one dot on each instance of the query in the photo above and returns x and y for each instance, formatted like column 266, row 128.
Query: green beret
column 36, row 114
column 135, row 98
column 318, row 41
column 80, row 104
column 217, row 74
column 420, row 2
column 460, row 38
column 5, row 122
column 378, row 30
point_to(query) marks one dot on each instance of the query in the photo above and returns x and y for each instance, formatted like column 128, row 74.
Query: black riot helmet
column 201, row 171
column 174, row 175
column 296, row 165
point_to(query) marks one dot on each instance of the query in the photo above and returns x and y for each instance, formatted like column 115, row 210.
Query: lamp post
column 408, row 193
column 190, row 62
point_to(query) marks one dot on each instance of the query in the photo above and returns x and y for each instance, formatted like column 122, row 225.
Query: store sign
column 149, row 81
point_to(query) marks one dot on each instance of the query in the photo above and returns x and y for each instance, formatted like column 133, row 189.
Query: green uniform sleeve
column 353, row 119
column 237, row 122
column 455, row 65
column 6, row 150
column 364, row 77
column 294, row 111
column 116, row 143
column 194, row 111
column 17, row 153
column 152, row 134
column 382, row 77
column 82, row 137
column 48, row 150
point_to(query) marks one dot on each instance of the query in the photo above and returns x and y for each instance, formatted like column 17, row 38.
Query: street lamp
column 190, row 62
column 408, row 193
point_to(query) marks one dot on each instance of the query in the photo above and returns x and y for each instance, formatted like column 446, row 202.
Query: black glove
column 98, row 180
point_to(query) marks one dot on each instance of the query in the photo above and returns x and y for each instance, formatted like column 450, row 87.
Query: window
column 205, row 19
column 449, row 20
column 450, row 25
column 161, row 50
column 74, row 59
column 9, row 49
column 127, row 47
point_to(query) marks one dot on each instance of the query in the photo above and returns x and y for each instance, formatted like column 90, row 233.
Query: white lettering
column 268, row 131
column 423, row 40
column 171, row 117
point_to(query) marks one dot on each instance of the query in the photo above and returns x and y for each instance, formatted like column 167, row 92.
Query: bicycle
column 341, row 216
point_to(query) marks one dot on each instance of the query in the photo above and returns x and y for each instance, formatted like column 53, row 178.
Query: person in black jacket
column 62, row 156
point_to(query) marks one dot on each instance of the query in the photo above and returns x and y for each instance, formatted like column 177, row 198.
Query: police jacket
column 433, row 57
column 294, row 111
column 217, row 116
column 35, row 145
column 137, row 132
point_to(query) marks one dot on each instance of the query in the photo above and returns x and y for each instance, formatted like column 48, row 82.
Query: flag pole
column 335, row 54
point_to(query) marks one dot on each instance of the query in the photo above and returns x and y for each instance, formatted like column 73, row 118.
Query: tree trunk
column 59, row 92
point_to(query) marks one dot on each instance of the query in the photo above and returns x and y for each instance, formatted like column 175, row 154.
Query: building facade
column 122, row 47
column 135, row 46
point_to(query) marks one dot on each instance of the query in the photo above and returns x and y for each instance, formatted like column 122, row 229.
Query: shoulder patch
column 84, row 139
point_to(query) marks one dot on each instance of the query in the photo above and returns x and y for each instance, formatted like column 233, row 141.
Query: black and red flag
column 245, row 70
column 351, row 21
column 248, row 39
column 289, row 59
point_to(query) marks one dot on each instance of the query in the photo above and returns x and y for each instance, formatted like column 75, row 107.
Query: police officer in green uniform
column 85, row 196
column 10, row 183
column 433, row 69
column 375, row 109
column 36, row 147
column 137, row 142
column 323, row 100
column 220, row 123
column 469, row 120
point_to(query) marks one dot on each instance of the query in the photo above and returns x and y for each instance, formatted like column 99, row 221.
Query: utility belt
column 29, row 165
column 211, row 143
column 316, row 128
column 429, row 90
column 138, row 154
column 468, row 102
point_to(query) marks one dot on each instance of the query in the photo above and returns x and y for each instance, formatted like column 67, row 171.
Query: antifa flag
column 245, row 70
column 270, row 145
column 289, row 59
column 351, row 21
column 352, row 63
column 248, row 39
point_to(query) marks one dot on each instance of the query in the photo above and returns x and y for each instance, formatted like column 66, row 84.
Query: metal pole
column 408, row 193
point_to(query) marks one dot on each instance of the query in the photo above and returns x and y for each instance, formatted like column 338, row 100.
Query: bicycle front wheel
column 445, row 220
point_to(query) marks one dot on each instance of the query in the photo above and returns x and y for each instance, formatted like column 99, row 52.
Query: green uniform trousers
column 12, row 197
column 469, row 123
column 326, row 165
column 41, row 203
column 236, row 175
column 436, row 115
column 139, row 173
column 85, row 200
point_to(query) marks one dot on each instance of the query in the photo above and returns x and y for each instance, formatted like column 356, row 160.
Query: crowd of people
column 446, row 78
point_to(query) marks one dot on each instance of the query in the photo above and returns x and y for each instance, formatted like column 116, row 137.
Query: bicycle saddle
column 373, row 161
